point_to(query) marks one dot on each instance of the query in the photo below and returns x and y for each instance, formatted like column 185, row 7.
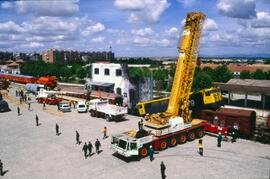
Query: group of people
column 87, row 148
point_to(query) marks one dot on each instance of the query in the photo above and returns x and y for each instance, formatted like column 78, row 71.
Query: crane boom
column 188, row 53
column 187, row 60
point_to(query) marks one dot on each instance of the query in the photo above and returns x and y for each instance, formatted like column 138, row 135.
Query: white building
column 112, row 78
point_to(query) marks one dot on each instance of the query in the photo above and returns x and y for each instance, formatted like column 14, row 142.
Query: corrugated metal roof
column 247, row 85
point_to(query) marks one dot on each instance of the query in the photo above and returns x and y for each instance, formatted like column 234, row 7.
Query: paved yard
column 28, row 151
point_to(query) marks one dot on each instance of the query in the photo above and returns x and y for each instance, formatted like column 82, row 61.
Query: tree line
column 63, row 72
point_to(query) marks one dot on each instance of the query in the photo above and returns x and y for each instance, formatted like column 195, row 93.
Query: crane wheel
column 107, row 117
column 143, row 152
column 92, row 113
column 173, row 142
column 191, row 136
column 182, row 139
column 163, row 145
column 199, row 133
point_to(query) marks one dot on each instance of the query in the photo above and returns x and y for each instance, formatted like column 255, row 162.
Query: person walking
column 104, row 132
column 85, row 150
column 57, row 129
column 162, row 170
column 97, row 145
column 139, row 124
column 37, row 120
column 219, row 139
column 29, row 106
column 78, row 138
column 151, row 153
column 1, row 168
column 18, row 110
column 44, row 105
column 233, row 137
column 90, row 146
column 200, row 146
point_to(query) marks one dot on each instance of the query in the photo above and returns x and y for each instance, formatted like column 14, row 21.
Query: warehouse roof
column 247, row 85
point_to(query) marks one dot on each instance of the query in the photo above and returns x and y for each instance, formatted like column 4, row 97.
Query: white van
column 81, row 107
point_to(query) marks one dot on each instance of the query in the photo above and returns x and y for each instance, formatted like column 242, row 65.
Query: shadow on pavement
column 126, row 159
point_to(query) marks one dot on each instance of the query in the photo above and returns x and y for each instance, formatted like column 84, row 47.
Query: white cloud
column 187, row 3
column 7, row 5
column 98, row 40
column 129, row 4
column 10, row 27
column 33, row 45
column 45, row 8
column 243, row 9
column 143, row 32
column 122, row 41
column 210, row 25
column 141, row 41
column 52, row 25
column 172, row 32
column 147, row 11
column 165, row 43
column 262, row 21
column 98, row 27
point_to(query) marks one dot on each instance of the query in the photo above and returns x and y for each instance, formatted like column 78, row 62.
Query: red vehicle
column 49, row 81
column 18, row 78
column 50, row 100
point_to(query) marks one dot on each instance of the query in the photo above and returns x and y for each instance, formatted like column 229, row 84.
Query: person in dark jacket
column 85, row 150
column 151, row 153
column 234, row 137
column 37, row 120
column 1, row 168
column 78, row 138
column 162, row 170
column 219, row 139
column 57, row 129
column 90, row 146
column 19, row 110
column 29, row 106
column 97, row 145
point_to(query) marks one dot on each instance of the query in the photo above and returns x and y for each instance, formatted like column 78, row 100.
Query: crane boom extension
column 188, row 53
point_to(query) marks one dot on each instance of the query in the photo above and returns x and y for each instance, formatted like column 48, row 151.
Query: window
column 107, row 71
column 96, row 71
column 118, row 72
column 133, row 146
column 119, row 91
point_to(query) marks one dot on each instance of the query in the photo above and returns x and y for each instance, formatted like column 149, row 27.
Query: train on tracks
column 49, row 81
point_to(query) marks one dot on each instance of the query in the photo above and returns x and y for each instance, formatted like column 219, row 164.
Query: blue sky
column 134, row 27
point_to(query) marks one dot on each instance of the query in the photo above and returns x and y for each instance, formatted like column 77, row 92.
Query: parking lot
column 28, row 151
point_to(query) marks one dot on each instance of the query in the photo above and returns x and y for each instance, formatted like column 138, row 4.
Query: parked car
column 64, row 107
column 81, row 107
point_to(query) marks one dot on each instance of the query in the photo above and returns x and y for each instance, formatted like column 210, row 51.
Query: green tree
column 201, row 80
column 222, row 74
column 258, row 74
column 267, row 61
column 65, row 72
column 267, row 75
column 245, row 75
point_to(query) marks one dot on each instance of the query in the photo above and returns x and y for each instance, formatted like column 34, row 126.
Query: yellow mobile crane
column 172, row 126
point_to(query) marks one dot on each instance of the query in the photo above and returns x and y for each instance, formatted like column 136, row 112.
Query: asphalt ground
column 29, row 151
